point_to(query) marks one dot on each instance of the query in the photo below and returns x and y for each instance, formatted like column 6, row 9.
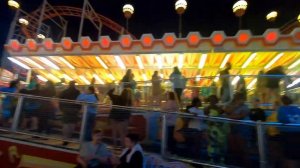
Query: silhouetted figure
column 70, row 111
column 178, row 81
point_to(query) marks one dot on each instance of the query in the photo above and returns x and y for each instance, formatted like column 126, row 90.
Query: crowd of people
column 95, row 154
column 215, row 141
column 233, row 143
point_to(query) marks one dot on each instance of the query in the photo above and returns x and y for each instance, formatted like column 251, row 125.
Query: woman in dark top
column 120, row 116
column 128, row 81
column 47, row 110
column 132, row 156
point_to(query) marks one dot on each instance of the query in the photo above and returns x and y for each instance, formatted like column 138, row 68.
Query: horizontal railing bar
column 208, row 118
column 194, row 162
column 50, row 136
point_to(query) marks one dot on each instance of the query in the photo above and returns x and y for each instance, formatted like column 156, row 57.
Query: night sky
column 158, row 16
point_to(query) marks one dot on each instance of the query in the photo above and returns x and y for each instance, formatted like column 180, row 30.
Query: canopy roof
column 195, row 55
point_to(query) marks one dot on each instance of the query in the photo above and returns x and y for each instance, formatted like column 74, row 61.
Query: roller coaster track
column 59, row 11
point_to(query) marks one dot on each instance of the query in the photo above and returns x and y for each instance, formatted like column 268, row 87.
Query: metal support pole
column 11, row 32
column 82, row 18
column 16, row 118
column 41, row 17
column 65, row 29
column 83, row 123
column 12, row 27
column 164, row 136
column 240, row 22
column 261, row 144
column 100, row 30
column 127, row 25
column 180, row 26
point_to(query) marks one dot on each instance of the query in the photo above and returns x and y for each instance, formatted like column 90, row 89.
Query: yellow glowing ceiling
column 106, row 68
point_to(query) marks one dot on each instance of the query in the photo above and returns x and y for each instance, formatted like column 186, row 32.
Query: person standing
column 31, row 107
column 178, row 82
column 261, row 90
column 197, row 124
column 94, row 154
column 257, row 113
column 70, row 111
column 241, row 87
column 272, row 83
column 90, row 97
column 156, row 88
column 47, row 109
column 290, row 136
column 128, row 81
column 225, row 84
column 171, row 106
column 120, row 115
column 217, row 132
column 8, row 103
column 132, row 155
column 239, row 134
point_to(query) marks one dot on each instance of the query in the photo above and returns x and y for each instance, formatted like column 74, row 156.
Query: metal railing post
column 16, row 118
column 261, row 144
column 83, row 123
column 164, row 136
